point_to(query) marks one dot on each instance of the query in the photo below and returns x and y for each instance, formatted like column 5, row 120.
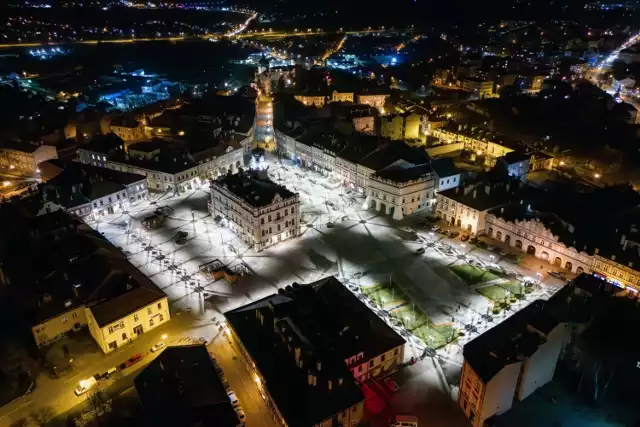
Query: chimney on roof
column 340, row 380
column 630, row 264
column 624, row 245
column 596, row 251
column 46, row 298
column 613, row 257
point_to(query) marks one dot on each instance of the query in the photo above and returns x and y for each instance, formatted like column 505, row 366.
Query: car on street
column 408, row 229
column 241, row 415
column 435, row 228
column 85, row 385
column 557, row 275
column 503, row 253
column 329, row 225
column 133, row 360
column 391, row 383
column 420, row 251
column 158, row 346
column 233, row 399
column 464, row 237
column 490, row 248
column 454, row 234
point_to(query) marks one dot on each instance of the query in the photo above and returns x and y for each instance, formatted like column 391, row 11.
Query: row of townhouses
column 165, row 166
column 559, row 229
column 397, row 179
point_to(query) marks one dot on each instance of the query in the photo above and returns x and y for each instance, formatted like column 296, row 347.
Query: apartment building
column 510, row 361
column 375, row 100
column 480, row 143
column 81, row 281
column 168, row 166
column 312, row 100
column 400, row 191
column 127, row 128
column 446, row 174
column 477, row 86
column 89, row 191
column 261, row 212
column 120, row 320
column 308, row 344
column 467, row 207
column 20, row 157
column 342, row 96
column 519, row 163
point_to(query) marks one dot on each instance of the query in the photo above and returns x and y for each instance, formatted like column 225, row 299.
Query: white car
column 159, row 346
column 85, row 385
column 233, row 399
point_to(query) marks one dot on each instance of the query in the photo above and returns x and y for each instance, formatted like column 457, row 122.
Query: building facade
column 374, row 100
column 401, row 192
column 27, row 158
column 532, row 237
column 260, row 211
column 114, row 333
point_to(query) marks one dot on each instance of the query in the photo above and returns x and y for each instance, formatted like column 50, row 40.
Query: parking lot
column 425, row 294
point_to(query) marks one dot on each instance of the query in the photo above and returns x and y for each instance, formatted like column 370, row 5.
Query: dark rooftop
column 404, row 174
column 510, row 341
column 444, row 167
column 482, row 196
column 181, row 387
column 329, row 324
column 254, row 190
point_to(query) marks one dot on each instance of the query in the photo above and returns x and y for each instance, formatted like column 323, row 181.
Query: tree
column 43, row 415
column 99, row 403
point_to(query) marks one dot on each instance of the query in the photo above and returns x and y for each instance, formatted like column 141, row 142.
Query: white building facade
column 259, row 224
column 399, row 197
column 531, row 236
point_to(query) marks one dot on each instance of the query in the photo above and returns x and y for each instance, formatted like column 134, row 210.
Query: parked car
column 329, row 225
column 454, row 234
column 241, row 415
column 464, row 237
column 158, row 346
column 490, row 248
column 473, row 240
column 133, row 360
column 85, row 385
column 558, row 275
column 408, row 229
column 233, row 399
column 419, row 251
column 435, row 227
column 391, row 383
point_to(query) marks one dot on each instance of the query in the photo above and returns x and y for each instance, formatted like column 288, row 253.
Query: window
column 278, row 227
column 292, row 210
column 110, row 329
column 75, row 315
column 354, row 409
column 109, row 199
column 124, row 336
column 360, row 368
column 135, row 317
column 396, row 351
column 344, row 414
column 286, row 212
column 269, row 230
column 269, row 218
column 383, row 357
column 293, row 221
column 465, row 404
column 150, row 322
column 262, row 221
column 118, row 196
column 159, row 306
column 149, row 311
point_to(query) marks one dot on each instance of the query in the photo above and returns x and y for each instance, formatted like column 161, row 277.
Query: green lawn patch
column 436, row 336
column 386, row 295
column 500, row 292
column 411, row 317
column 473, row 275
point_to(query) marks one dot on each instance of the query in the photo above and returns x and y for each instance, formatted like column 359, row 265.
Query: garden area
column 390, row 297
column 473, row 275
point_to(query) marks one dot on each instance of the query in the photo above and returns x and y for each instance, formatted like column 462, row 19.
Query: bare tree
column 43, row 415
column 99, row 403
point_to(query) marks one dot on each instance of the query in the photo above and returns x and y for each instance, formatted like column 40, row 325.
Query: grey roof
column 402, row 174
column 481, row 196
column 444, row 167
column 252, row 189
column 181, row 387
